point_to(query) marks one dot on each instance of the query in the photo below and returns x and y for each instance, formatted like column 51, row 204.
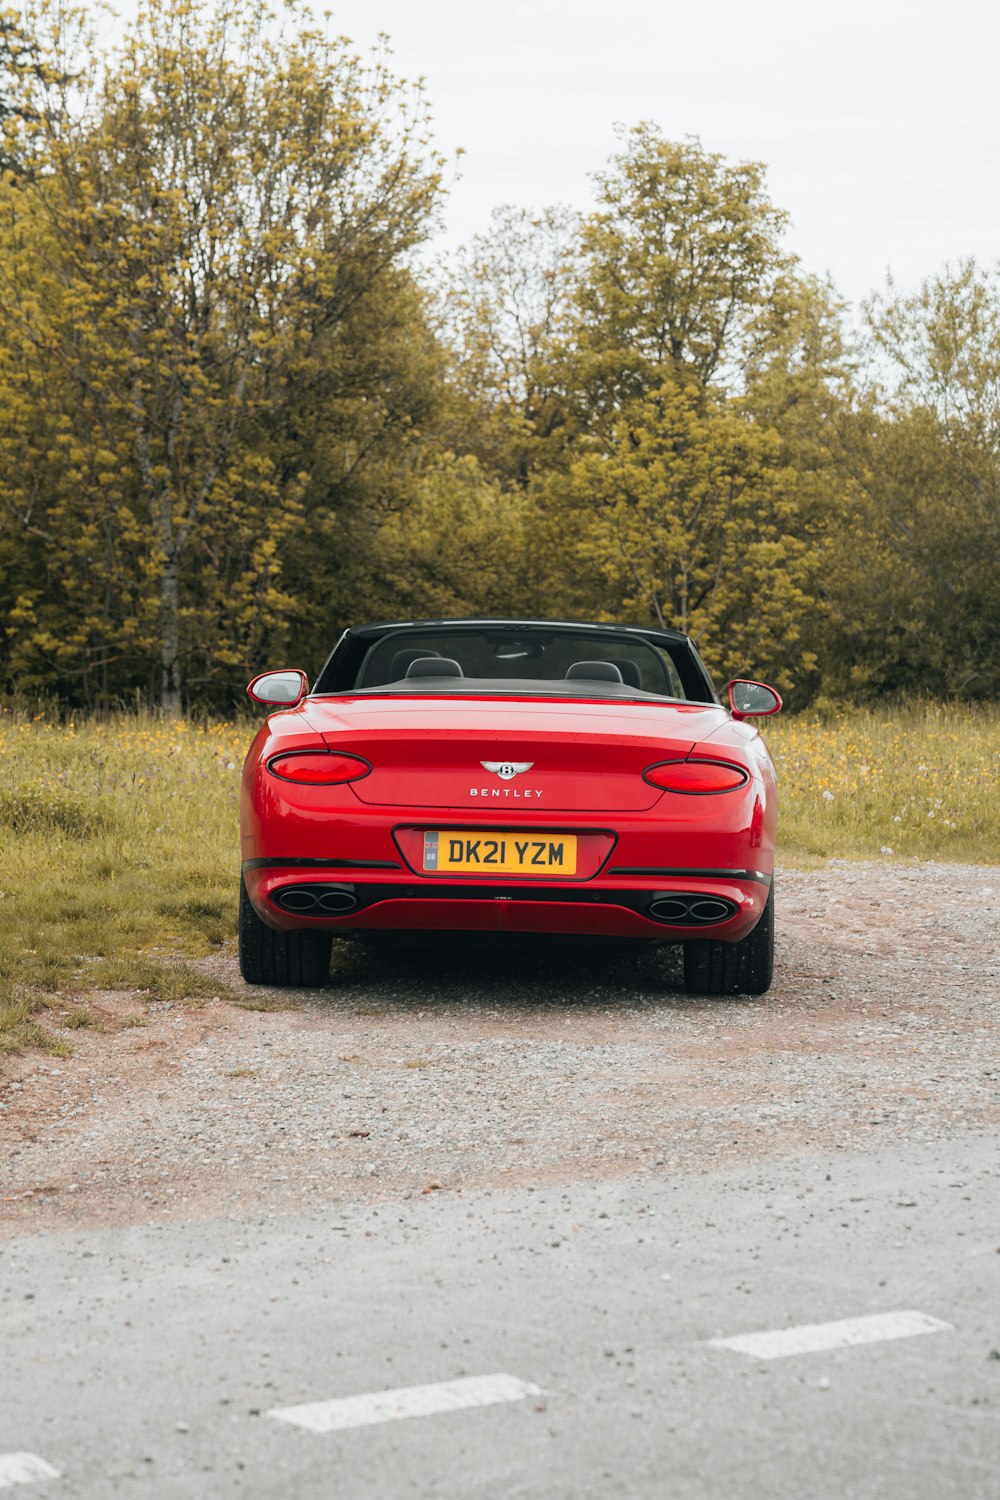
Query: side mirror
column 278, row 689
column 752, row 700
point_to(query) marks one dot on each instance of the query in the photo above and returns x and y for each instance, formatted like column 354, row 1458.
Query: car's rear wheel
column 743, row 968
column 293, row 959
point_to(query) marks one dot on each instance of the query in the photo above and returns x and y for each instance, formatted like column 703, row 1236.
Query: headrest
column 403, row 659
column 434, row 666
column 629, row 671
column 595, row 671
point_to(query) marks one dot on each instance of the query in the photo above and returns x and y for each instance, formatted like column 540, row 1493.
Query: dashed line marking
column 407, row 1401
column 807, row 1338
column 24, row 1468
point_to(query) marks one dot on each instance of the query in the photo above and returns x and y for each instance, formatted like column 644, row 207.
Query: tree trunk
column 170, row 663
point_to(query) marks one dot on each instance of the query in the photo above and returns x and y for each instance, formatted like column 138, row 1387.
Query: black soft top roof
column 379, row 627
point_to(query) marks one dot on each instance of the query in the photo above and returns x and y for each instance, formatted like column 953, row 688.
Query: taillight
column 696, row 776
column 318, row 767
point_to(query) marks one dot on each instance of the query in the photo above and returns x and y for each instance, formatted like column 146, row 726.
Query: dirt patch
column 435, row 1073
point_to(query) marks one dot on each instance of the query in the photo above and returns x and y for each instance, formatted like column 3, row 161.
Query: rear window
column 532, row 656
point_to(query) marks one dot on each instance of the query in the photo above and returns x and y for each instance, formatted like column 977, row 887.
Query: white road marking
column 809, row 1337
column 22, row 1468
column 407, row 1401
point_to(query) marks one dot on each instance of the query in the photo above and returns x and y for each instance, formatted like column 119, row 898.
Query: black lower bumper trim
column 759, row 877
column 667, row 908
column 321, row 864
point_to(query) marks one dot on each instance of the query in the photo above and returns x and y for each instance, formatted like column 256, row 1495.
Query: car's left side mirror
column 278, row 689
column 752, row 700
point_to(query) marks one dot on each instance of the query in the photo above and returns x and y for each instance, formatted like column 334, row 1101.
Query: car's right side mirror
column 752, row 700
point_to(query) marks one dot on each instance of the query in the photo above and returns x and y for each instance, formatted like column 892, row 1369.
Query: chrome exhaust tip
column 315, row 900
column 669, row 909
column 677, row 910
column 711, row 909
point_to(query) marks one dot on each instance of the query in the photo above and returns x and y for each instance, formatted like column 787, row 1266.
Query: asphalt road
column 144, row 1361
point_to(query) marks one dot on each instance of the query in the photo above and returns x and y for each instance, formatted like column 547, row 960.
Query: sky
column 878, row 120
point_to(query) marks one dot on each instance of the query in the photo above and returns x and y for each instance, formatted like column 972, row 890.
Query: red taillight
column 697, row 776
column 318, row 767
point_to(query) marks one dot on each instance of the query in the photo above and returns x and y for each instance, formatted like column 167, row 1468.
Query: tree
column 362, row 421
column 800, row 385
column 687, row 331
column 20, row 60
column 505, row 304
column 457, row 548
column 204, row 231
column 917, row 603
column 691, row 523
column 680, row 263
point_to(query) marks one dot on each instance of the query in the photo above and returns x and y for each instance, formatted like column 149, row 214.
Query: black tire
column 743, row 968
column 289, row 959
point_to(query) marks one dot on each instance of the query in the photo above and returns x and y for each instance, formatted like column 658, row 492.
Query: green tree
column 801, row 386
column 505, row 306
column 362, row 420
column 915, row 592
column 689, row 333
column 212, row 224
column 680, row 265
column 20, row 61
column 692, row 523
column 456, row 549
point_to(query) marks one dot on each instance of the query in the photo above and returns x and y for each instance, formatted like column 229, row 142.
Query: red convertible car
column 518, row 776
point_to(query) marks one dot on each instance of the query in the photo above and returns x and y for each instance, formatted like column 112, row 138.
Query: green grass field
column 919, row 783
column 120, row 851
column 120, row 860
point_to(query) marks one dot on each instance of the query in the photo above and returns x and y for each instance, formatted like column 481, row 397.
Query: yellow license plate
column 449, row 851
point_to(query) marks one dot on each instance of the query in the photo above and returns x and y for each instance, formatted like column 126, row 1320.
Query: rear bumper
column 661, row 906
column 709, row 847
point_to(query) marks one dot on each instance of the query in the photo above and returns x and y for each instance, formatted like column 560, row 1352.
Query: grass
column 119, row 864
column 922, row 782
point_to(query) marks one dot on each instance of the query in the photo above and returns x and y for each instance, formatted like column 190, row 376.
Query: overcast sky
column 878, row 120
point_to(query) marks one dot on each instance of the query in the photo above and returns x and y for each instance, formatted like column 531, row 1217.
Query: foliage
column 367, row 439
column 455, row 549
column 506, row 305
column 20, row 61
column 215, row 228
column 690, row 518
column 680, row 265
column 686, row 340
column 915, row 590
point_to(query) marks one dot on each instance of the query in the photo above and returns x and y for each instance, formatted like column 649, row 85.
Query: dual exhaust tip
column 691, row 911
column 315, row 900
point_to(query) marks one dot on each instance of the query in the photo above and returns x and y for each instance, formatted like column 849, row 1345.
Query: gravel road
column 417, row 1074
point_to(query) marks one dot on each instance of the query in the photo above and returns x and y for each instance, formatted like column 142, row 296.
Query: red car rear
column 509, row 776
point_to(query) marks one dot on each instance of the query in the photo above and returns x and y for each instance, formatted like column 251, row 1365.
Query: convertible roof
column 381, row 626
column 341, row 668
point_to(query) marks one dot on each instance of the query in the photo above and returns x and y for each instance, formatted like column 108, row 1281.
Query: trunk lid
column 584, row 756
